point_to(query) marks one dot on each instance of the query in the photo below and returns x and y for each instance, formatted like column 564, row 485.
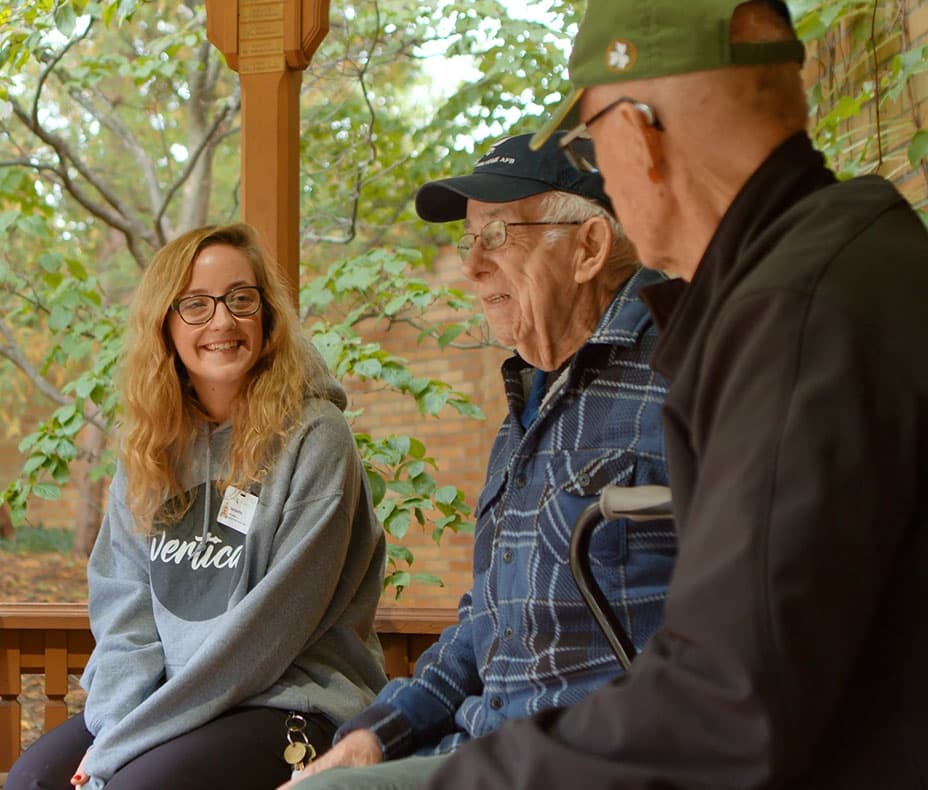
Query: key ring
column 299, row 750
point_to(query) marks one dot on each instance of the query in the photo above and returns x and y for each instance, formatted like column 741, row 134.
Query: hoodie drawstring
column 204, row 535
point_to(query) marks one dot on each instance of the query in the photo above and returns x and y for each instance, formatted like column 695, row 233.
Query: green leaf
column 84, row 386
column 60, row 471
column 415, row 448
column 398, row 579
column 446, row 494
column 428, row 578
column 357, row 278
column 396, row 304
column 378, row 486
column 64, row 413
column 403, row 444
column 450, row 334
column 47, row 491
column 59, row 318
column 77, row 269
column 384, row 509
column 399, row 553
column 918, row 148
column 368, row 368
column 33, row 463
column 65, row 19
column 424, row 484
column 398, row 523
column 7, row 220
column 468, row 409
column 401, row 487
column 50, row 262
column 846, row 107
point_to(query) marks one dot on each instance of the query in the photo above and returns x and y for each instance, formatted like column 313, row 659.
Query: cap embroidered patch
column 622, row 55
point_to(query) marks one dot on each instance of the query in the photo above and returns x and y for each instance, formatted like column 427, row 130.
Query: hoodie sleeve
column 326, row 547
column 127, row 664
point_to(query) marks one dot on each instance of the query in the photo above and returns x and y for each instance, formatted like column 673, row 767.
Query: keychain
column 299, row 751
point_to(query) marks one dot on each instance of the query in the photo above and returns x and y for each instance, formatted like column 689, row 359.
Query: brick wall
column 845, row 61
column 459, row 445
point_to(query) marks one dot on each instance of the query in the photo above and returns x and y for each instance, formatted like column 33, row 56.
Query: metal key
column 295, row 755
column 298, row 752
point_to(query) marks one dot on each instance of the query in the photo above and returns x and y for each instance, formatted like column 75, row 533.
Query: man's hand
column 358, row 748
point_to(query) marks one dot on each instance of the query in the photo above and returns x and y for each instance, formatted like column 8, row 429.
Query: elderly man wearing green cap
column 794, row 651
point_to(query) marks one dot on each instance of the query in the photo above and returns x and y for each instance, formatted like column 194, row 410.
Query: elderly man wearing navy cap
column 794, row 652
column 558, row 282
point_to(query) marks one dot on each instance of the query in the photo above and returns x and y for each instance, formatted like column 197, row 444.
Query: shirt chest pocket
column 573, row 480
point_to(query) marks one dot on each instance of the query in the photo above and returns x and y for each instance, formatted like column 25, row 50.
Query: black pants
column 240, row 750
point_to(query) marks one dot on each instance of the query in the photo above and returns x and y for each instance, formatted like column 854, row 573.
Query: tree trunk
column 6, row 523
column 90, row 491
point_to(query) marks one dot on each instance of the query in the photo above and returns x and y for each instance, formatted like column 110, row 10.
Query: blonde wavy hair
column 162, row 414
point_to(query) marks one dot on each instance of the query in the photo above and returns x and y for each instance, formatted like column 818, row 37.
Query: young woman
column 233, row 585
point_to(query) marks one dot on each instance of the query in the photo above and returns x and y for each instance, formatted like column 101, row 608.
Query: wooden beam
column 269, row 43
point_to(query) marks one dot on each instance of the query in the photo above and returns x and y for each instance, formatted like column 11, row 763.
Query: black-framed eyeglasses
column 493, row 235
column 243, row 301
column 581, row 131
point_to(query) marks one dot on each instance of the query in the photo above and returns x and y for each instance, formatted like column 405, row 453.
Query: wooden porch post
column 269, row 43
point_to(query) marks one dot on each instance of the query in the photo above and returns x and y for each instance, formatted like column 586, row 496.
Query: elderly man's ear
column 594, row 243
column 645, row 142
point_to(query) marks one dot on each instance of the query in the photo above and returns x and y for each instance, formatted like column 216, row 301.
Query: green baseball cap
column 622, row 40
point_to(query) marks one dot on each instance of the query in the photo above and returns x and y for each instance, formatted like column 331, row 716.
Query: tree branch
column 12, row 351
column 209, row 140
column 117, row 219
column 108, row 118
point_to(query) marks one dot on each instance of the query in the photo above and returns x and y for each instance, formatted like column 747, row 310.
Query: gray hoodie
column 275, row 607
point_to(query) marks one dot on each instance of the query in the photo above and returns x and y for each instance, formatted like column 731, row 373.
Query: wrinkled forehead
column 479, row 212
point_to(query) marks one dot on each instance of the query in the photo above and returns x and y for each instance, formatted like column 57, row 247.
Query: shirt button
column 521, row 481
column 507, row 633
column 496, row 703
column 507, row 555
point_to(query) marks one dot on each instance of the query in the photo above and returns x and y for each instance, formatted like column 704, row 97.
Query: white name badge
column 237, row 509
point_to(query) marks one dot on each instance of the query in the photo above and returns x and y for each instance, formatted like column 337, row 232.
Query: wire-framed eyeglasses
column 581, row 132
column 493, row 235
column 243, row 301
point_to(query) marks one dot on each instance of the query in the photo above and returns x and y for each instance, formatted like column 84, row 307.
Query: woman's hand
column 358, row 748
column 80, row 775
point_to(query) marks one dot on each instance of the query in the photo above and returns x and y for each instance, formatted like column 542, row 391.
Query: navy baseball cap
column 511, row 170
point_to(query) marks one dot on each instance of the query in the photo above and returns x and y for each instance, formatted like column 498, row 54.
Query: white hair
column 568, row 207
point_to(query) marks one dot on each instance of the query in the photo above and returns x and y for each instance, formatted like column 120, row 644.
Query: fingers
column 357, row 749
column 80, row 775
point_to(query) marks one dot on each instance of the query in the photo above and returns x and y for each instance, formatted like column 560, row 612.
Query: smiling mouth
column 229, row 345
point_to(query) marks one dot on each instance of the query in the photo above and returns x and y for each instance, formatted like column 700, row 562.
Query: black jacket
column 794, row 651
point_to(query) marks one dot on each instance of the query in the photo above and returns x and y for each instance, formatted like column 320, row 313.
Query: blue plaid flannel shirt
column 525, row 640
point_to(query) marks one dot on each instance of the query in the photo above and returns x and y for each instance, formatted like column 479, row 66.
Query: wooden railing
column 54, row 640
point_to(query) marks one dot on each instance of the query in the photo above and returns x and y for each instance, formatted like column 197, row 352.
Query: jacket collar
column 623, row 322
column 626, row 317
column 790, row 173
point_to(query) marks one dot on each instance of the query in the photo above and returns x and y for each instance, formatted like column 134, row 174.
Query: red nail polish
column 78, row 777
